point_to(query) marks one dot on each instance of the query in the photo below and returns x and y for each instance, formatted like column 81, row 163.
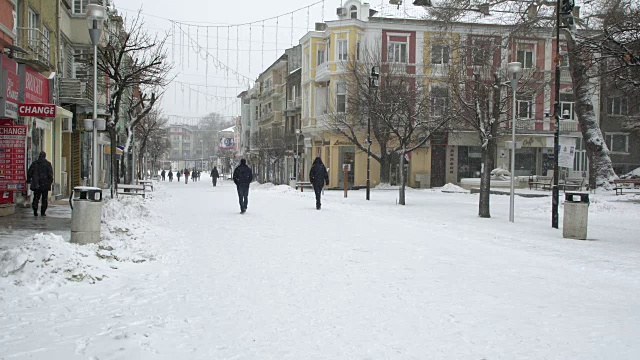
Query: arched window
column 354, row 12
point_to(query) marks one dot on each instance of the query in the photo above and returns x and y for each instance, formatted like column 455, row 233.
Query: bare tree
column 273, row 146
column 148, row 128
column 131, row 59
column 400, row 110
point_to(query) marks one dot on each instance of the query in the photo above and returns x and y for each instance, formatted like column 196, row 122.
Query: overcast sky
column 210, row 75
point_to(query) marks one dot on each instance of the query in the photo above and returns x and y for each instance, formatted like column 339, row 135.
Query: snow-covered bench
column 126, row 189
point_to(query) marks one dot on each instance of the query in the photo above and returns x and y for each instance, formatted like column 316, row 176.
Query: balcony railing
column 569, row 125
column 565, row 75
column 38, row 47
column 322, row 72
column 76, row 91
column 299, row 102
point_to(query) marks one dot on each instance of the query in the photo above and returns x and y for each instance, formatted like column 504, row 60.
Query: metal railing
column 37, row 44
column 76, row 91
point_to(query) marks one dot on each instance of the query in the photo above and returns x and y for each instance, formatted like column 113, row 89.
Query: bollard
column 86, row 214
column 345, row 178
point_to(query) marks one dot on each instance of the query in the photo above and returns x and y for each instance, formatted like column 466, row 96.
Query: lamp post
column 374, row 82
column 202, row 156
column 297, row 157
column 95, row 14
column 514, row 69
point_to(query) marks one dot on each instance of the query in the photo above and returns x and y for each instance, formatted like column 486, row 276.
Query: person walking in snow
column 319, row 177
column 162, row 174
column 193, row 175
column 170, row 175
column 178, row 174
column 186, row 175
column 40, row 176
column 214, row 176
column 242, row 177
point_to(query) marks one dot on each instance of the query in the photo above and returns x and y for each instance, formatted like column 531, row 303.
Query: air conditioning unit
column 67, row 125
column 321, row 26
column 341, row 11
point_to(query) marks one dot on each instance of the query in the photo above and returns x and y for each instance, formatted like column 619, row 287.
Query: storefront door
column 438, row 165
column 347, row 157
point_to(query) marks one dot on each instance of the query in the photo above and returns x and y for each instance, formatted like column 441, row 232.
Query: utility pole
column 374, row 82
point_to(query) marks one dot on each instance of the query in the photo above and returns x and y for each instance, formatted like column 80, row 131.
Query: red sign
column 37, row 110
column 36, row 87
column 13, row 157
column 13, row 86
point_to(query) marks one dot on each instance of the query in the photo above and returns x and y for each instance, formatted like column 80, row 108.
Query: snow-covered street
column 183, row 275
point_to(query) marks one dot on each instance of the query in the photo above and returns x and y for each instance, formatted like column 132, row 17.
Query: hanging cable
column 262, row 66
column 277, row 24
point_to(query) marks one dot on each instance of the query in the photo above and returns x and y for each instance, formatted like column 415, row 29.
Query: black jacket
column 40, row 175
column 242, row 175
column 318, row 173
column 214, row 173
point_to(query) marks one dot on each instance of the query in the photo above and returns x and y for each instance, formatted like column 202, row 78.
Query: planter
column 100, row 124
column 88, row 124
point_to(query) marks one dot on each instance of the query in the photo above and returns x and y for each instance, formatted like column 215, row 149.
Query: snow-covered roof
column 230, row 129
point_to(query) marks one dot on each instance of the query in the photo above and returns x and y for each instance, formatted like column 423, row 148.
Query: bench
column 625, row 184
column 147, row 183
column 544, row 181
column 304, row 184
column 126, row 189
column 573, row 184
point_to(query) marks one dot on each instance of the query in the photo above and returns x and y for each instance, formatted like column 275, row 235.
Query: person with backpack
column 319, row 177
column 170, row 175
column 214, row 176
column 186, row 175
column 242, row 177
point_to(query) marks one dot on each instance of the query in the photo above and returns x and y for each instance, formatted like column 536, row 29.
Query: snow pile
column 452, row 188
column 47, row 260
column 386, row 186
column 257, row 186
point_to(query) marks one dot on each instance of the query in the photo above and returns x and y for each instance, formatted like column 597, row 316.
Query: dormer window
column 354, row 11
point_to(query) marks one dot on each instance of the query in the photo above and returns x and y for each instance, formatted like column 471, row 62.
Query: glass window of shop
column 525, row 161
column 469, row 162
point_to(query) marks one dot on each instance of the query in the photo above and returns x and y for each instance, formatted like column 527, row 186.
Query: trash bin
column 576, row 215
column 293, row 183
column 86, row 213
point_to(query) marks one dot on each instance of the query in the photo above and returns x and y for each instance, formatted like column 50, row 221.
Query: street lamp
column 96, row 15
column 374, row 82
column 514, row 69
column 202, row 156
column 296, row 157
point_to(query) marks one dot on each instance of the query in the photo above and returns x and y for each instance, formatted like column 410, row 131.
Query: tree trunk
column 114, row 160
column 401, row 199
column 484, row 209
column 597, row 151
column 385, row 167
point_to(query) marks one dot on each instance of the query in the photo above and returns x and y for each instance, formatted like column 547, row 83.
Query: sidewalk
column 23, row 224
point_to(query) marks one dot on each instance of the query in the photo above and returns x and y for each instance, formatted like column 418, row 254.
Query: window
column 618, row 142
column 524, row 109
column 321, row 56
column 34, row 24
column 439, row 101
column 617, row 106
column 79, row 6
column 525, row 57
column 343, row 51
column 440, row 54
column 566, row 109
column 397, row 52
column 46, row 42
column 358, row 50
column 354, row 12
column 341, row 97
column 480, row 57
column 307, row 102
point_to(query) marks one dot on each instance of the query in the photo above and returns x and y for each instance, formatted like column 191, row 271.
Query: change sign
column 12, row 157
column 37, row 110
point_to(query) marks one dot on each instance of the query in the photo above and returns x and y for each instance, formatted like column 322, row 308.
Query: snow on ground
column 356, row 280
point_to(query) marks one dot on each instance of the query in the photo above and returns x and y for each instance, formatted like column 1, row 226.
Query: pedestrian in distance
column 319, row 177
column 186, row 175
column 40, row 176
column 214, row 176
column 194, row 175
column 178, row 174
column 162, row 174
column 242, row 177
column 170, row 175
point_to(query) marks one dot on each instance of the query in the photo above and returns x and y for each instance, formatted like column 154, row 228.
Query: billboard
column 227, row 143
column 12, row 157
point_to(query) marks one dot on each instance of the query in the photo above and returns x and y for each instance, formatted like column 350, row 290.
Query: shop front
column 12, row 137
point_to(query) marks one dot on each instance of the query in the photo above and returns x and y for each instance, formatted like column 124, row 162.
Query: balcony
column 278, row 90
column 293, row 105
column 76, row 91
column 38, row 47
column 322, row 72
column 569, row 126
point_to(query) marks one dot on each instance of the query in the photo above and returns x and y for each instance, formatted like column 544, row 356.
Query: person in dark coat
column 242, row 177
column 319, row 177
column 186, row 175
column 214, row 176
column 179, row 174
column 162, row 174
column 170, row 175
column 40, row 176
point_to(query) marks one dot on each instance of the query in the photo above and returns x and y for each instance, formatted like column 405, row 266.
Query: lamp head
column 96, row 15
column 514, row 69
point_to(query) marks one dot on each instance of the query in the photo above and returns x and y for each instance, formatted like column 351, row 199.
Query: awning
column 62, row 113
